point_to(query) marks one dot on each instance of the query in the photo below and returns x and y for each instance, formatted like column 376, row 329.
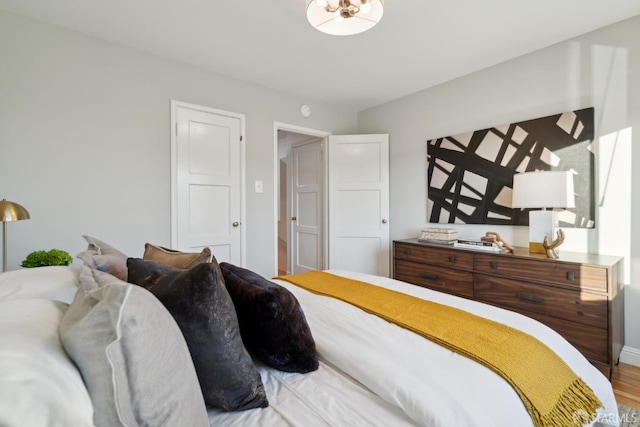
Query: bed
column 370, row 373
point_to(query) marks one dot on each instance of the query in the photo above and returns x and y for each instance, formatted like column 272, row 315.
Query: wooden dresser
column 579, row 295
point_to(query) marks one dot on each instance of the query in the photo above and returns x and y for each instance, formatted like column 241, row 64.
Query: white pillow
column 58, row 283
column 132, row 356
column 39, row 384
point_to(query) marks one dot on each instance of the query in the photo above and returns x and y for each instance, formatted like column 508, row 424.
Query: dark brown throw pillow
column 272, row 323
column 203, row 310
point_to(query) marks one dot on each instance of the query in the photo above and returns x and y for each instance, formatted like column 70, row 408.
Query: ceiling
column 417, row 45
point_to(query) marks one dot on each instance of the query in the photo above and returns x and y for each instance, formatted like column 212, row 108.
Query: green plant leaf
column 43, row 258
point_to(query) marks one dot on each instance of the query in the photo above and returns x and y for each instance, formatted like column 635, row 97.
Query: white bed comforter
column 373, row 373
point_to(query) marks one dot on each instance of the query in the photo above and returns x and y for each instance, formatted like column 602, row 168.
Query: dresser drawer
column 579, row 307
column 451, row 258
column 569, row 274
column 438, row 278
column 590, row 341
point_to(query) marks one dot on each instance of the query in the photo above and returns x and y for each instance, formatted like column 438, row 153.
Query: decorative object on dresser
column 492, row 236
column 542, row 190
column 578, row 295
column 9, row 211
column 552, row 247
column 443, row 236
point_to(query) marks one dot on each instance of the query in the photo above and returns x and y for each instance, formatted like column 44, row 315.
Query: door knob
column 294, row 218
column 384, row 221
column 235, row 223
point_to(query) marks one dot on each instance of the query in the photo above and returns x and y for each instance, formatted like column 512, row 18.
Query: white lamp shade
column 331, row 23
column 543, row 189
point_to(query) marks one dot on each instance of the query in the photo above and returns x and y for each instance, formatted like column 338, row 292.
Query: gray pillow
column 203, row 310
column 104, row 257
column 132, row 356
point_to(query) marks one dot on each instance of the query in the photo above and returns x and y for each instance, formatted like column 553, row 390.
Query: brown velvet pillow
column 175, row 258
column 272, row 323
column 178, row 259
column 202, row 308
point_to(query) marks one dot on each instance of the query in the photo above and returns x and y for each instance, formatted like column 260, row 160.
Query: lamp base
column 4, row 246
column 537, row 248
column 541, row 224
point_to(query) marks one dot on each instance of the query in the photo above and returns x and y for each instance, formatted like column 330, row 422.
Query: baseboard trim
column 630, row 356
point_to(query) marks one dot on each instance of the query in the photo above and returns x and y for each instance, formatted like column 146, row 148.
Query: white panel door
column 206, row 175
column 307, row 207
column 359, row 203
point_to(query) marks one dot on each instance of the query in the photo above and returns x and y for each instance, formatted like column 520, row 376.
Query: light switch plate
column 258, row 185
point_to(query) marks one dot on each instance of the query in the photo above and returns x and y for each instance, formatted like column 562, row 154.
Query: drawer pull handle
column 407, row 251
column 494, row 265
column 571, row 275
column 530, row 297
column 452, row 258
column 429, row 276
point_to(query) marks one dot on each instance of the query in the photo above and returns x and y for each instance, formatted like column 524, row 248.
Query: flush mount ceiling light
column 344, row 17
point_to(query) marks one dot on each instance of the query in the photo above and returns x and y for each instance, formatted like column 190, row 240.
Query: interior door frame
column 276, row 197
column 174, row 178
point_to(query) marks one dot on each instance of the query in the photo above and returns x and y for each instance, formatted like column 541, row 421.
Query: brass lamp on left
column 9, row 211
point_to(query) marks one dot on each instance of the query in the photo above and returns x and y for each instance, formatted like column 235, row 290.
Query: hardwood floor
column 626, row 384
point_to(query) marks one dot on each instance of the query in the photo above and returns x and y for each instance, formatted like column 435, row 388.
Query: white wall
column 85, row 140
column 599, row 69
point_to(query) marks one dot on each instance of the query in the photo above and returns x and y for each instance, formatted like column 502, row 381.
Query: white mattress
column 373, row 373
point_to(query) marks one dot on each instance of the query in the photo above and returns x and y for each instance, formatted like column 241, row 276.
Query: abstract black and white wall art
column 470, row 176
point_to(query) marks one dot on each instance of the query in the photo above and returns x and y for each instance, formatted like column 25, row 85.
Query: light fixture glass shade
column 543, row 189
column 326, row 20
column 10, row 211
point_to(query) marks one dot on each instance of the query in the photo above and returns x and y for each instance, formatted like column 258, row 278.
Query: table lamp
column 545, row 190
column 9, row 211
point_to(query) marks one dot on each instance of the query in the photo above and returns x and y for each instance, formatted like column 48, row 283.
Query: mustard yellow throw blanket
column 552, row 393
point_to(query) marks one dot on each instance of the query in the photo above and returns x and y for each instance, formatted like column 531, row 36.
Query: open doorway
column 301, row 217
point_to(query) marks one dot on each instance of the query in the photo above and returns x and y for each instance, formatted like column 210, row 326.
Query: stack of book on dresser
column 449, row 236
column 442, row 236
column 479, row 245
